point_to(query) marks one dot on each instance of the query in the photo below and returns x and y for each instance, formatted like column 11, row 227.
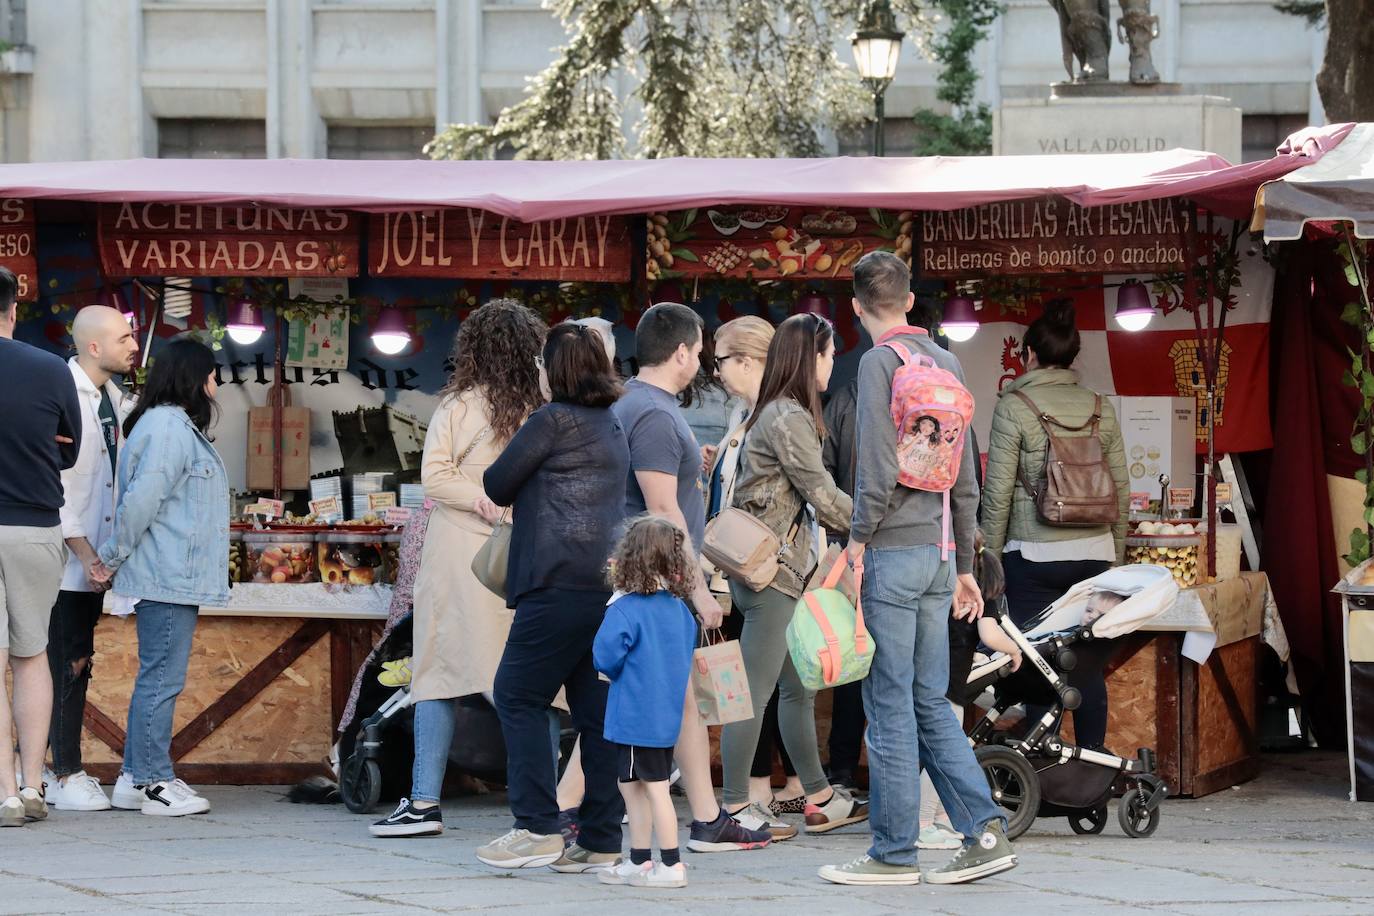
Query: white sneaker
column 127, row 796
column 623, row 873
column 661, row 876
column 756, row 817
column 77, row 792
column 172, row 798
column 938, row 836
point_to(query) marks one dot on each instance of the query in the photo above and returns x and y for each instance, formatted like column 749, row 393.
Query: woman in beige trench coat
column 460, row 628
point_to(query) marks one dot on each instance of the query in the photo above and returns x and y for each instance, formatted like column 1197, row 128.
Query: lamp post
column 877, row 45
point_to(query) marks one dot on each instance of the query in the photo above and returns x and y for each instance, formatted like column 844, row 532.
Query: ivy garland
column 1354, row 255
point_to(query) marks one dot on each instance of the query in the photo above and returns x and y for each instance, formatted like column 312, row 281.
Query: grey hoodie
column 887, row 514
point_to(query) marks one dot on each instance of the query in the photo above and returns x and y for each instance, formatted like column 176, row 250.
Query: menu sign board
column 771, row 242
column 18, row 247
column 463, row 242
column 1050, row 235
column 190, row 240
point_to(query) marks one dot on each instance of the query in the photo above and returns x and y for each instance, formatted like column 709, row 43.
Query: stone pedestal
column 1117, row 118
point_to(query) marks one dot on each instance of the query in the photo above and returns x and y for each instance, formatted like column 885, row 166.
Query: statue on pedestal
column 1085, row 31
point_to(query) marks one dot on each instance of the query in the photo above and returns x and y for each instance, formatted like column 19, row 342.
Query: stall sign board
column 397, row 516
column 1181, row 498
column 1050, row 235
column 330, row 508
column 465, row 242
column 765, row 242
column 19, row 247
column 380, row 501
column 1223, row 494
column 192, row 240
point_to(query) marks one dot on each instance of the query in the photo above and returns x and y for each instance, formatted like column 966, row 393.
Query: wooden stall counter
column 1201, row 719
column 267, row 683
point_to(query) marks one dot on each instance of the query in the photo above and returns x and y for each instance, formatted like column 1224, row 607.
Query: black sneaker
column 408, row 820
column 567, row 825
column 725, row 834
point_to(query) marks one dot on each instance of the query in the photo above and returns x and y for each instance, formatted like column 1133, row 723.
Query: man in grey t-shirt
column 665, row 479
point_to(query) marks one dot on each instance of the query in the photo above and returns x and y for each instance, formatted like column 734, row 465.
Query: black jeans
column 846, row 729
column 71, row 639
column 1032, row 587
column 550, row 646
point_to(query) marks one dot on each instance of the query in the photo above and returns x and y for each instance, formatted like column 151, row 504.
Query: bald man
column 105, row 347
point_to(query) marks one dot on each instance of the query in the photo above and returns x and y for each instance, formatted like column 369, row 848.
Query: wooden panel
column 267, row 725
column 1227, row 707
column 191, row 240
column 462, row 242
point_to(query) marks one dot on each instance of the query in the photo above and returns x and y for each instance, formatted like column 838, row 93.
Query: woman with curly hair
column 461, row 628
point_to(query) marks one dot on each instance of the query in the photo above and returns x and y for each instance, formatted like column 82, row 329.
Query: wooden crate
column 261, row 699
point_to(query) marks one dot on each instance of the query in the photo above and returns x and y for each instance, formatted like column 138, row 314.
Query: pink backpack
column 932, row 410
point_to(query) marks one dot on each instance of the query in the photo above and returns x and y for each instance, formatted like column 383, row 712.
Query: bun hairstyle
column 1053, row 337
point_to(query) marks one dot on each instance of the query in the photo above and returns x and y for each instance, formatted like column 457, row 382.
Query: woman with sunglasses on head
column 782, row 478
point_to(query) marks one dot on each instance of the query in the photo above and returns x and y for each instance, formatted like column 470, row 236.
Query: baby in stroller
column 1037, row 773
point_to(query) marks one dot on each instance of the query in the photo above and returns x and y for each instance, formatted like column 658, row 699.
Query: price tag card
column 1223, row 494
column 1140, row 502
column 274, row 508
column 395, row 515
column 377, row 501
column 1181, row 498
column 328, row 508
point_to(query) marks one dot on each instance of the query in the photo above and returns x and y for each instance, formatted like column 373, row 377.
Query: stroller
column 1037, row 774
column 376, row 750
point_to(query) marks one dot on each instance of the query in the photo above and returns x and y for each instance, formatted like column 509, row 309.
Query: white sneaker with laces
column 172, row 798
column 127, row 796
column 77, row 792
column 661, row 875
column 938, row 836
column 624, row 873
column 756, row 817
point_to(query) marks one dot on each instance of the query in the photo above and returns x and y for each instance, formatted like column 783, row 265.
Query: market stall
column 334, row 289
column 1328, row 207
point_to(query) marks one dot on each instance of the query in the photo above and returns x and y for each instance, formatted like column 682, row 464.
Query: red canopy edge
column 535, row 190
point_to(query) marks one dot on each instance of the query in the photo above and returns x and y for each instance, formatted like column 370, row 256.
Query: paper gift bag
column 295, row 448
column 719, row 683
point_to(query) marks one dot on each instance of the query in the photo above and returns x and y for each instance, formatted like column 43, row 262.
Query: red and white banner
column 1160, row 361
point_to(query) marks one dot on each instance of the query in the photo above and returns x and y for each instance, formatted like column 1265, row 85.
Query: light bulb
column 1134, row 321
column 390, row 343
column 244, row 334
column 959, row 331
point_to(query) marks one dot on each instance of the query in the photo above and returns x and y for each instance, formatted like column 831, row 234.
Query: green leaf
column 1348, row 379
column 1359, row 443
column 688, row 217
column 1362, row 476
column 1351, row 276
column 1353, row 313
column 684, row 254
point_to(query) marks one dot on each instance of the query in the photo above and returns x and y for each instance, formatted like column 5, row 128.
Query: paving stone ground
column 1287, row 843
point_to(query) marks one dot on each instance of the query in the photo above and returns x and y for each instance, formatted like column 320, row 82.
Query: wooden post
column 276, row 398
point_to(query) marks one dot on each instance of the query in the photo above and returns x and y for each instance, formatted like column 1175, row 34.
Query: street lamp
column 245, row 323
column 961, row 319
column 1133, row 308
column 391, row 335
column 877, row 45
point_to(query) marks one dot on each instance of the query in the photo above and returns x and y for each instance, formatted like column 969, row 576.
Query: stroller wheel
column 1136, row 817
column 361, row 785
column 1091, row 821
column 1014, row 786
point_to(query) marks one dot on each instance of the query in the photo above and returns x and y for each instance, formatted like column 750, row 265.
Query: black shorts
column 644, row 764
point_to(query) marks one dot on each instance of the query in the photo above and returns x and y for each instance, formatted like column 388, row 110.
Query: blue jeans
column 907, row 597
column 434, row 735
column 164, row 649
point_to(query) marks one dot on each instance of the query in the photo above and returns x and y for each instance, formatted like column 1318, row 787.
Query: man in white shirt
column 105, row 347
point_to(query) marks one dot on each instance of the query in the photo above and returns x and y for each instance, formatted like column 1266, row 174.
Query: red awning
column 534, row 190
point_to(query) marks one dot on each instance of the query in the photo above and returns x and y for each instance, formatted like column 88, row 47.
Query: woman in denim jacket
column 168, row 555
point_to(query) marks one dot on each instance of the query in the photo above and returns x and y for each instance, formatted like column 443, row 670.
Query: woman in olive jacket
column 1042, row 561
column 783, row 472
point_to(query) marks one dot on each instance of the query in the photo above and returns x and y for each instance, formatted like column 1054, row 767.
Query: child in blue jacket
column 645, row 647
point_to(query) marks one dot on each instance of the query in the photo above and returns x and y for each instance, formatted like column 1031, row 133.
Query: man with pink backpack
column 915, row 507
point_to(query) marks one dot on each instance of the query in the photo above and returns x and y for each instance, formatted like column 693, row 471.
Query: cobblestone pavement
column 1286, row 843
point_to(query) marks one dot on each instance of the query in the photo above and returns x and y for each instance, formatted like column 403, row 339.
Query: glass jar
column 352, row 557
column 281, row 556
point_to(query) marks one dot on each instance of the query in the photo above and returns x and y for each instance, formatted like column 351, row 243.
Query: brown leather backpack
column 1076, row 487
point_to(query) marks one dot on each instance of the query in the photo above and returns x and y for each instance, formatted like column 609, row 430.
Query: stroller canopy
column 1149, row 591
